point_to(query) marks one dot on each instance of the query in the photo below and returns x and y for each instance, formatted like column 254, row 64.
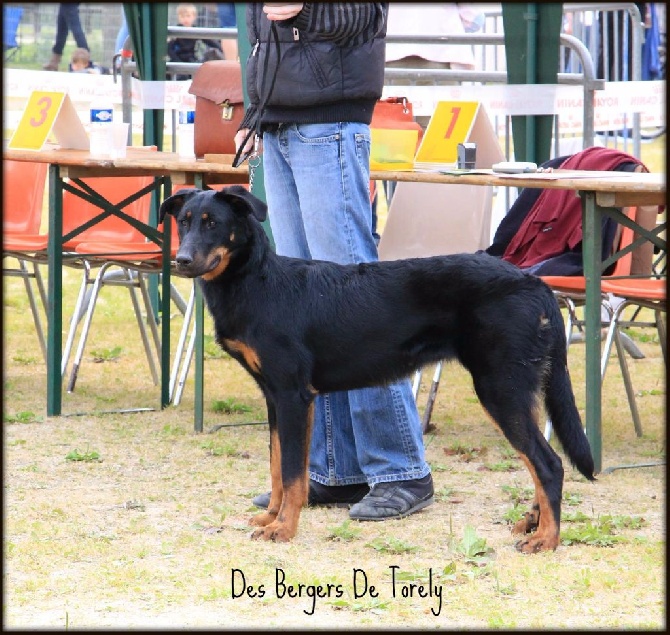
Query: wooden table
column 167, row 168
column 602, row 194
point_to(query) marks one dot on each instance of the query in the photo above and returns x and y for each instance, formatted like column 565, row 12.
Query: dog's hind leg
column 290, row 441
column 516, row 413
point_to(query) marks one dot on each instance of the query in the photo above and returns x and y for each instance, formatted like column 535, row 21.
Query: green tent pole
column 532, row 37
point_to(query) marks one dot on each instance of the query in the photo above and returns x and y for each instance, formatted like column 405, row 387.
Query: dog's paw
column 535, row 544
column 277, row 532
column 263, row 519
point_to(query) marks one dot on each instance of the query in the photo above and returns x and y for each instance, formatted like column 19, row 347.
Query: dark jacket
column 330, row 67
column 542, row 232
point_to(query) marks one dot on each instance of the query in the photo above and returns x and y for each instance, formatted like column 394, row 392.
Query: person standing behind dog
column 367, row 445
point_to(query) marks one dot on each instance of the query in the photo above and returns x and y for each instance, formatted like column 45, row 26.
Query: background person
column 227, row 20
column 80, row 62
column 189, row 50
column 67, row 20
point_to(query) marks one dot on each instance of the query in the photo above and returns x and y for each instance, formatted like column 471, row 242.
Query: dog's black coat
column 302, row 327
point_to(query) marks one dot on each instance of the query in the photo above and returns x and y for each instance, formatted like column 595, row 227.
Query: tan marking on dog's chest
column 250, row 355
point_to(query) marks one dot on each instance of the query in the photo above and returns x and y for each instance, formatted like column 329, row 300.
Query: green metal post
column 165, row 299
column 592, row 247
column 532, row 33
column 199, row 317
column 55, row 294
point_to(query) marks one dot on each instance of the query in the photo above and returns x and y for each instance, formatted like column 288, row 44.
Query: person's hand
column 280, row 11
column 252, row 149
column 239, row 138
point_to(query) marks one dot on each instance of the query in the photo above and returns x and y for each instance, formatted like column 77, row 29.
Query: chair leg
column 628, row 384
column 432, row 395
column 34, row 309
column 87, row 325
column 614, row 336
column 188, row 314
column 416, row 384
column 151, row 318
column 179, row 389
column 138, row 281
column 80, row 308
column 662, row 334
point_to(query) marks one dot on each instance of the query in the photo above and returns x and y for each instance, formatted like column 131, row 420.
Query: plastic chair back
column 431, row 219
column 11, row 17
column 23, row 196
column 77, row 211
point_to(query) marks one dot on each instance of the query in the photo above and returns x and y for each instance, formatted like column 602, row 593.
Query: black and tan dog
column 303, row 327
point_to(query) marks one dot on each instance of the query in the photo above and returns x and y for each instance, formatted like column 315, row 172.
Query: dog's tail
column 560, row 399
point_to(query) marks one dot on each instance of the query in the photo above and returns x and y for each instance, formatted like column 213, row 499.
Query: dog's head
column 213, row 227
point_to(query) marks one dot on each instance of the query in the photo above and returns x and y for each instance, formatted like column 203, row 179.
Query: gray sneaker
column 394, row 500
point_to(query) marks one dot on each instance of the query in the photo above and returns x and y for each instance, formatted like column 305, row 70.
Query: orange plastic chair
column 635, row 292
column 111, row 242
column 22, row 204
column 570, row 290
column 620, row 290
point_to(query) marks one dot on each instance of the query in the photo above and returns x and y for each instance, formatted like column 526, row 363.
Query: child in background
column 188, row 49
column 80, row 62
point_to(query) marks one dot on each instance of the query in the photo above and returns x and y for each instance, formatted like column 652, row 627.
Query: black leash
column 253, row 155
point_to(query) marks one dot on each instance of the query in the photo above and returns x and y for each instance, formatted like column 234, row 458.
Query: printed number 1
column 454, row 112
column 44, row 112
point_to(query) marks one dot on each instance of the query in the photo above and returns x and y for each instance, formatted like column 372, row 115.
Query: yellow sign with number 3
column 44, row 113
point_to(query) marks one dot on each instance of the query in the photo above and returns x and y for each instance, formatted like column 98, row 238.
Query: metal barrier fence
column 100, row 21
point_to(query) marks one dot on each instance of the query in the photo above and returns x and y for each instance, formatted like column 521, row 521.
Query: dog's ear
column 174, row 203
column 244, row 201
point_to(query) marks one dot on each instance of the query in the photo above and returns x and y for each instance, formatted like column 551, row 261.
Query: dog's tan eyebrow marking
column 205, row 216
column 188, row 213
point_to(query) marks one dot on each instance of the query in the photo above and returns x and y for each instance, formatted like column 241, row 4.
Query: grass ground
column 131, row 521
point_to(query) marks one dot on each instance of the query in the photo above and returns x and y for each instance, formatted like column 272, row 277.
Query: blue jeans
column 317, row 180
column 68, row 20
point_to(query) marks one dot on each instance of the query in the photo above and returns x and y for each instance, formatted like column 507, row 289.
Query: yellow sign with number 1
column 455, row 122
column 47, row 112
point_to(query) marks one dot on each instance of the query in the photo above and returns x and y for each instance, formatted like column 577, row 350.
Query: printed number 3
column 45, row 103
column 454, row 117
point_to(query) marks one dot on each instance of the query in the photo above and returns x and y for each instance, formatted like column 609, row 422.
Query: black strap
column 256, row 130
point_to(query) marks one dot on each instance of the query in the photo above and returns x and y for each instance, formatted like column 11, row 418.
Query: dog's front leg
column 290, row 443
column 276, row 494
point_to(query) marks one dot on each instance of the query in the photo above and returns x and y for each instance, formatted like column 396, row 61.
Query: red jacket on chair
column 553, row 225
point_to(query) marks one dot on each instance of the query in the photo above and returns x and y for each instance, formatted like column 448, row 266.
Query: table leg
column 592, row 247
column 55, row 294
column 165, row 312
column 199, row 317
